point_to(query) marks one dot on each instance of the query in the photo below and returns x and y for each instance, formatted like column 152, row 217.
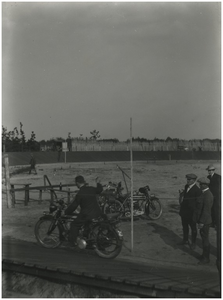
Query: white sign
column 64, row 146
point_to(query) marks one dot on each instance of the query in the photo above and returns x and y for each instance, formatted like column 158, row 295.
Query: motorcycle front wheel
column 153, row 209
column 108, row 242
column 47, row 233
column 113, row 206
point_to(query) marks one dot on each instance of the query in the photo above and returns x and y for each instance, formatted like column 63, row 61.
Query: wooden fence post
column 13, row 193
column 10, row 203
column 68, row 196
column 52, row 196
column 26, row 194
column 40, row 196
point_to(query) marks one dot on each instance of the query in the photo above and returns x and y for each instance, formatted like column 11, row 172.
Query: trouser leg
column 213, row 213
column 204, row 232
column 185, row 229
column 74, row 229
column 193, row 227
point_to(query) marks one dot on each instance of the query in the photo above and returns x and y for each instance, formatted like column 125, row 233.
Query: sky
column 79, row 66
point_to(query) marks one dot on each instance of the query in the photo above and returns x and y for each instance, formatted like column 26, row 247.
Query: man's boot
column 183, row 242
column 206, row 253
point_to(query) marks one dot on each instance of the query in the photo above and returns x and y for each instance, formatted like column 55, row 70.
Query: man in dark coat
column 86, row 198
column 202, row 216
column 215, row 188
column 187, row 207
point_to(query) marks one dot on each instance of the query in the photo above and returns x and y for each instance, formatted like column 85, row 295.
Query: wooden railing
column 51, row 188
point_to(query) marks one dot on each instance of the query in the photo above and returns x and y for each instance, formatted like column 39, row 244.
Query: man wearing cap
column 187, row 207
column 215, row 188
column 202, row 216
column 89, row 207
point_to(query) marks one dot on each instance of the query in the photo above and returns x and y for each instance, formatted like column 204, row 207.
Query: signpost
column 65, row 149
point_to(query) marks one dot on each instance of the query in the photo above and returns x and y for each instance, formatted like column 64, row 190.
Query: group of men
column 200, row 207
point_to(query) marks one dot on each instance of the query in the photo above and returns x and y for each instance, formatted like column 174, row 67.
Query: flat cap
column 204, row 180
column 210, row 167
column 191, row 176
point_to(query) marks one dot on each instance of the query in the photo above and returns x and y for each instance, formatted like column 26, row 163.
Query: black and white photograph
column 111, row 149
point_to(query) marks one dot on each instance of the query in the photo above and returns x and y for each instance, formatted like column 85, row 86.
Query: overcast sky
column 75, row 67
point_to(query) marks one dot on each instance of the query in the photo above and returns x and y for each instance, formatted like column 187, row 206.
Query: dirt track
column 154, row 241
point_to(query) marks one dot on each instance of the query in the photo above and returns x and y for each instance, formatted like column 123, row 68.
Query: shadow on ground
column 174, row 208
column 172, row 239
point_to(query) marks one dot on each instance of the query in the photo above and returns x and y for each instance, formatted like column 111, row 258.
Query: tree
column 23, row 138
column 31, row 143
column 94, row 135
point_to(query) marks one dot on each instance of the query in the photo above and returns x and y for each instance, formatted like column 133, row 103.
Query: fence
column 52, row 189
column 18, row 158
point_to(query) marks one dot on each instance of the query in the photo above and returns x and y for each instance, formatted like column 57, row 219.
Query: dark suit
column 187, row 209
column 87, row 200
column 215, row 188
column 203, row 215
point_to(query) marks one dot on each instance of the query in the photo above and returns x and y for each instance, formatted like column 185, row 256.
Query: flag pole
column 131, row 185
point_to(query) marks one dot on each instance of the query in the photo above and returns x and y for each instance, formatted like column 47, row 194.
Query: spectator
column 215, row 188
column 202, row 216
column 32, row 164
column 187, row 207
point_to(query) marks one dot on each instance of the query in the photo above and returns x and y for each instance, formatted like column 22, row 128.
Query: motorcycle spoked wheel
column 113, row 207
column 153, row 209
column 47, row 233
column 108, row 243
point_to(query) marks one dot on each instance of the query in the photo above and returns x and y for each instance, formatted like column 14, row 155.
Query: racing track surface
column 83, row 266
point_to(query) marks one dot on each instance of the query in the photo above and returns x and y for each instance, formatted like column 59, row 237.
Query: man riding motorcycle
column 86, row 198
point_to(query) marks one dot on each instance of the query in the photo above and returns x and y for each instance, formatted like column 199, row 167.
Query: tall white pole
column 131, row 185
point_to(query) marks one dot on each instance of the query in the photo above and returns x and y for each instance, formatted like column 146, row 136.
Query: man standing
column 86, row 198
column 215, row 188
column 187, row 207
column 32, row 164
column 202, row 216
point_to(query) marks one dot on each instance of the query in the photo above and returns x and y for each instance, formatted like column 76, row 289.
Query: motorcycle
column 101, row 234
column 144, row 203
column 107, row 200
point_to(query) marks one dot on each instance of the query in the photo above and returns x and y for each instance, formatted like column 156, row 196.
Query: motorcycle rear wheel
column 108, row 242
column 153, row 209
column 47, row 234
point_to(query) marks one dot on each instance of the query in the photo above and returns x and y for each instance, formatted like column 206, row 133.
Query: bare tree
column 94, row 135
